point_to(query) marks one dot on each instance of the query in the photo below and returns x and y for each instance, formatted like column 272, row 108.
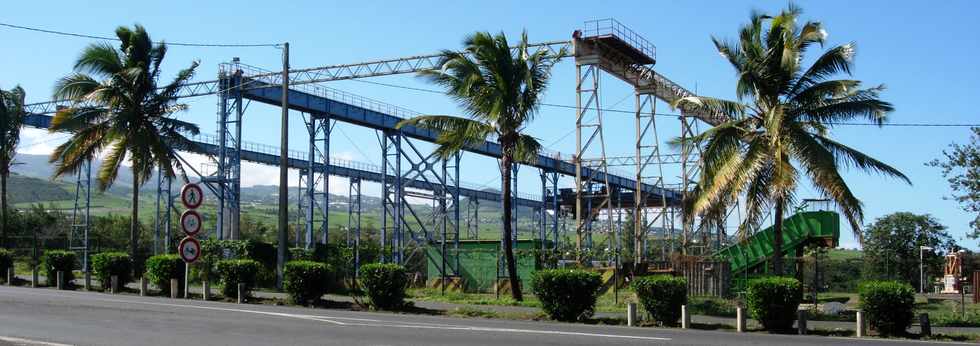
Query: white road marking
column 365, row 322
column 20, row 341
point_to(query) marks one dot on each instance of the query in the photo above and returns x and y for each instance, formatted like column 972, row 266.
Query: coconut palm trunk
column 777, row 242
column 134, row 223
column 3, row 205
column 506, row 163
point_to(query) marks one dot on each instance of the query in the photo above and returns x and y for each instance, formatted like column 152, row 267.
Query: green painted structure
column 799, row 230
column 481, row 261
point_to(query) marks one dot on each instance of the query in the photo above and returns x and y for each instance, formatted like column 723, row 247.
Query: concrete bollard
column 740, row 319
column 143, row 286
column 860, row 329
column 10, row 276
column 205, row 290
column 34, row 282
column 60, row 282
column 631, row 314
column 88, row 281
column 114, row 284
column 174, row 288
column 685, row 318
column 925, row 326
column 241, row 293
column 801, row 322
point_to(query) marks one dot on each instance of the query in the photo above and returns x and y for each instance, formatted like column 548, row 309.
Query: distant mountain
column 23, row 189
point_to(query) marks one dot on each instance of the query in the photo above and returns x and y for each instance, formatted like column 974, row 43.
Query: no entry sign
column 189, row 249
column 190, row 222
column 191, row 195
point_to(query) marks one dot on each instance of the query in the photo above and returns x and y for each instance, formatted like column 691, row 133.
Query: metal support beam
column 649, row 170
column 228, row 175
column 354, row 221
column 81, row 214
column 316, row 196
column 590, row 152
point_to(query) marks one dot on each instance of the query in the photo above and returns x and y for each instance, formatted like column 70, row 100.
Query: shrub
column 385, row 284
column 54, row 261
column 300, row 254
column 662, row 296
column 773, row 301
column 889, row 305
column 234, row 272
column 6, row 261
column 567, row 294
column 107, row 264
column 161, row 268
column 305, row 281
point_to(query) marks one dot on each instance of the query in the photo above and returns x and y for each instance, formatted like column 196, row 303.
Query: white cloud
column 39, row 142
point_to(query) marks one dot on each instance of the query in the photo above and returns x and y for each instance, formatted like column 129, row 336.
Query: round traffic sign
column 189, row 249
column 191, row 195
column 190, row 222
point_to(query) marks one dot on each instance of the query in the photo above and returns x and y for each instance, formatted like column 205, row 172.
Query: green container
column 481, row 262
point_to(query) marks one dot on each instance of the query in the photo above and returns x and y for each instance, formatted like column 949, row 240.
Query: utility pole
column 283, row 170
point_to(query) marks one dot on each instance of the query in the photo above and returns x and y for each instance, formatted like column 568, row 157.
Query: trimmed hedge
column 567, row 294
column 239, row 271
column 161, row 268
column 889, row 305
column 6, row 261
column 385, row 284
column 107, row 264
column 54, row 261
column 661, row 296
column 773, row 301
column 305, row 281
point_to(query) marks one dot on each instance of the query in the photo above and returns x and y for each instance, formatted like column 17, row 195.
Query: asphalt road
column 88, row 318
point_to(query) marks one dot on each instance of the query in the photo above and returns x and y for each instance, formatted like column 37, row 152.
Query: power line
column 184, row 44
column 623, row 111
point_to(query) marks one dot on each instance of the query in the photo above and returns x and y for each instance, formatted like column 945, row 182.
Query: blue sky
column 924, row 51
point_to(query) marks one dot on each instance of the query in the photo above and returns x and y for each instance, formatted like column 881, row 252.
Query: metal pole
column 283, row 169
column 921, row 287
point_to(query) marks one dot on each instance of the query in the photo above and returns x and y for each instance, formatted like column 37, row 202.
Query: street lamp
column 922, row 279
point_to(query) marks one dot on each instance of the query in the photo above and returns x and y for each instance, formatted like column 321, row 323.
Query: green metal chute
column 801, row 229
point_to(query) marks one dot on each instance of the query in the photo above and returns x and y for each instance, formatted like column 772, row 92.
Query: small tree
column 891, row 247
column 961, row 168
column 11, row 119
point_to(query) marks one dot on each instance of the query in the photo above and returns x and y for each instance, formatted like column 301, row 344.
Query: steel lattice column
column 472, row 218
column 354, row 220
column 588, row 130
column 316, row 197
column 649, row 170
column 392, row 191
column 81, row 214
column 228, row 179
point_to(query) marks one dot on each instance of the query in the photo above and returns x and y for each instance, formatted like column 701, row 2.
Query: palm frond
column 526, row 149
column 452, row 133
column 731, row 109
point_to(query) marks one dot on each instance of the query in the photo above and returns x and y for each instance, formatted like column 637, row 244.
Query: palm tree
column 11, row 119
column 779, row 129
column 500, row 89
column 118, row 108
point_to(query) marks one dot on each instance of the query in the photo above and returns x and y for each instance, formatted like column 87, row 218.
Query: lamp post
column 922, row 279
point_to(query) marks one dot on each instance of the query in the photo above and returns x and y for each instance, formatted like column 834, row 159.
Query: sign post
column 191, row 222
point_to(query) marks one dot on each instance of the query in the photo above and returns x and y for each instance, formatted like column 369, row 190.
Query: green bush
column 161, row 268
column 6, row 261
column 773, row 301
column 385, row 284
column 889, row 305
column 234, row 272
column 305, row 281
column 54, row 261
column 301, row 254
column 567, row 294
column 107, row 264
column 662, row 296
